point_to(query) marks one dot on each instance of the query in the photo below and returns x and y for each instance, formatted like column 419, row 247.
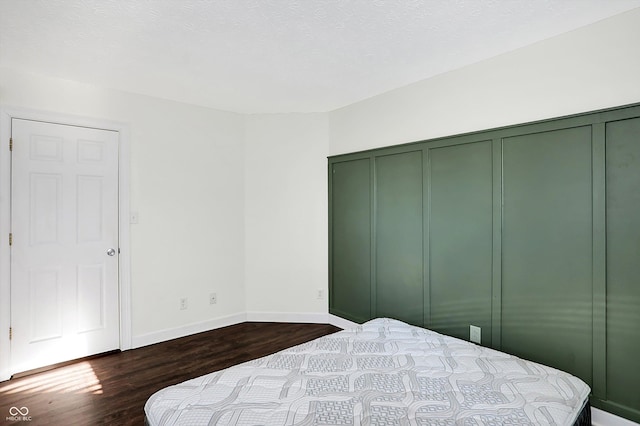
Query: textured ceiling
column 262, row 56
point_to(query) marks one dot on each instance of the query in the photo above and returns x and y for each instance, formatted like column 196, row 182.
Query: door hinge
column 10, row 239
column 10, row 144
column 10, row 333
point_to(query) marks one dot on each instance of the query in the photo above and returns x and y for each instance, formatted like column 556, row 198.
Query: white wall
column 588, row 69
column 286, row 214
column 285, row 169
column 238, row 204
column 187, row 172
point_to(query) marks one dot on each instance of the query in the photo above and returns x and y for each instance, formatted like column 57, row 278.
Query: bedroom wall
column 187, row 173
column 594, row 67
column 588, row 69
column 286, row 216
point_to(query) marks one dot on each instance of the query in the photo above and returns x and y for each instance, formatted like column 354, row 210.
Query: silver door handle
column 111, row 252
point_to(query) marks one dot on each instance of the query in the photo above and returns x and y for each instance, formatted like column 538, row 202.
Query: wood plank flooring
column 112, row 389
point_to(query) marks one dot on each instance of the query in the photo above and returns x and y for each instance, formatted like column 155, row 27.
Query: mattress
column 382, row 372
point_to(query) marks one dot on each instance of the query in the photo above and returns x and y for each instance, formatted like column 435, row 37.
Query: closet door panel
column 399, row 224
column 623, row 261
column 350, row 290
column 547, row 249
column 460, row 243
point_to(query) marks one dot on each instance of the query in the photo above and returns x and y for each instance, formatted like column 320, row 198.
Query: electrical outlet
column 213, row 298
column 320, row 294
column 183, row 303
column 475, row 334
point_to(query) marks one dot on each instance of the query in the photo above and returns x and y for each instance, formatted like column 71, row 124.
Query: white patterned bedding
column 384, row 372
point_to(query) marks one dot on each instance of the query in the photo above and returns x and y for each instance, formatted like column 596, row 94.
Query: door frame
column 124, row 270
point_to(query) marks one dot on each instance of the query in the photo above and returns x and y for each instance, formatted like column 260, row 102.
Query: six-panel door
column 64, row 284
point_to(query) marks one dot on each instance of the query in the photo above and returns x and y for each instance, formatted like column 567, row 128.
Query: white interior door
column 64, row 221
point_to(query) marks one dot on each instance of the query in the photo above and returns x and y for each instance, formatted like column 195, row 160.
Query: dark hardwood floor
column 112, row 389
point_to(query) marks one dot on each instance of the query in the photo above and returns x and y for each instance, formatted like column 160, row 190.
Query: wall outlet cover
column 475, row 334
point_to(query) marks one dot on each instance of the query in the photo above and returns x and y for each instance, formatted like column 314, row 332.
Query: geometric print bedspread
column 384, row 372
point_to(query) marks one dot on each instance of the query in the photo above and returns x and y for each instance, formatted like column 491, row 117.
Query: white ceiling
column 266, row 56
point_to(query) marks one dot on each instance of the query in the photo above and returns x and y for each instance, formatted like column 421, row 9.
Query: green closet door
column 460, row 243
column 350, row 288
column 399, row 257
column 623, row 262
column 547, row 249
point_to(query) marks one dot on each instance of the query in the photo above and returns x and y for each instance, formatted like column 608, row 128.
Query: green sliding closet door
column 399, row 257
column 547, row 249
column 460, row 243
column 623, row 261
column 351, row 240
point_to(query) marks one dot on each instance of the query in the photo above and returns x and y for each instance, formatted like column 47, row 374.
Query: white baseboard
column 199, row 327
column 317, row 318
column 341, row 322
column 186, row 330
column 603, row 418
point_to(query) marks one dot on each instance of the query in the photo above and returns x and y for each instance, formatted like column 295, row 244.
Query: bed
column 384, row 372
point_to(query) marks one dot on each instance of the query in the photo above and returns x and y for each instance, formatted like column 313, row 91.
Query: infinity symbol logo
column 14, row 411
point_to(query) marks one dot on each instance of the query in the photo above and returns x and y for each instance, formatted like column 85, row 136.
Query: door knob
column 111, row 252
